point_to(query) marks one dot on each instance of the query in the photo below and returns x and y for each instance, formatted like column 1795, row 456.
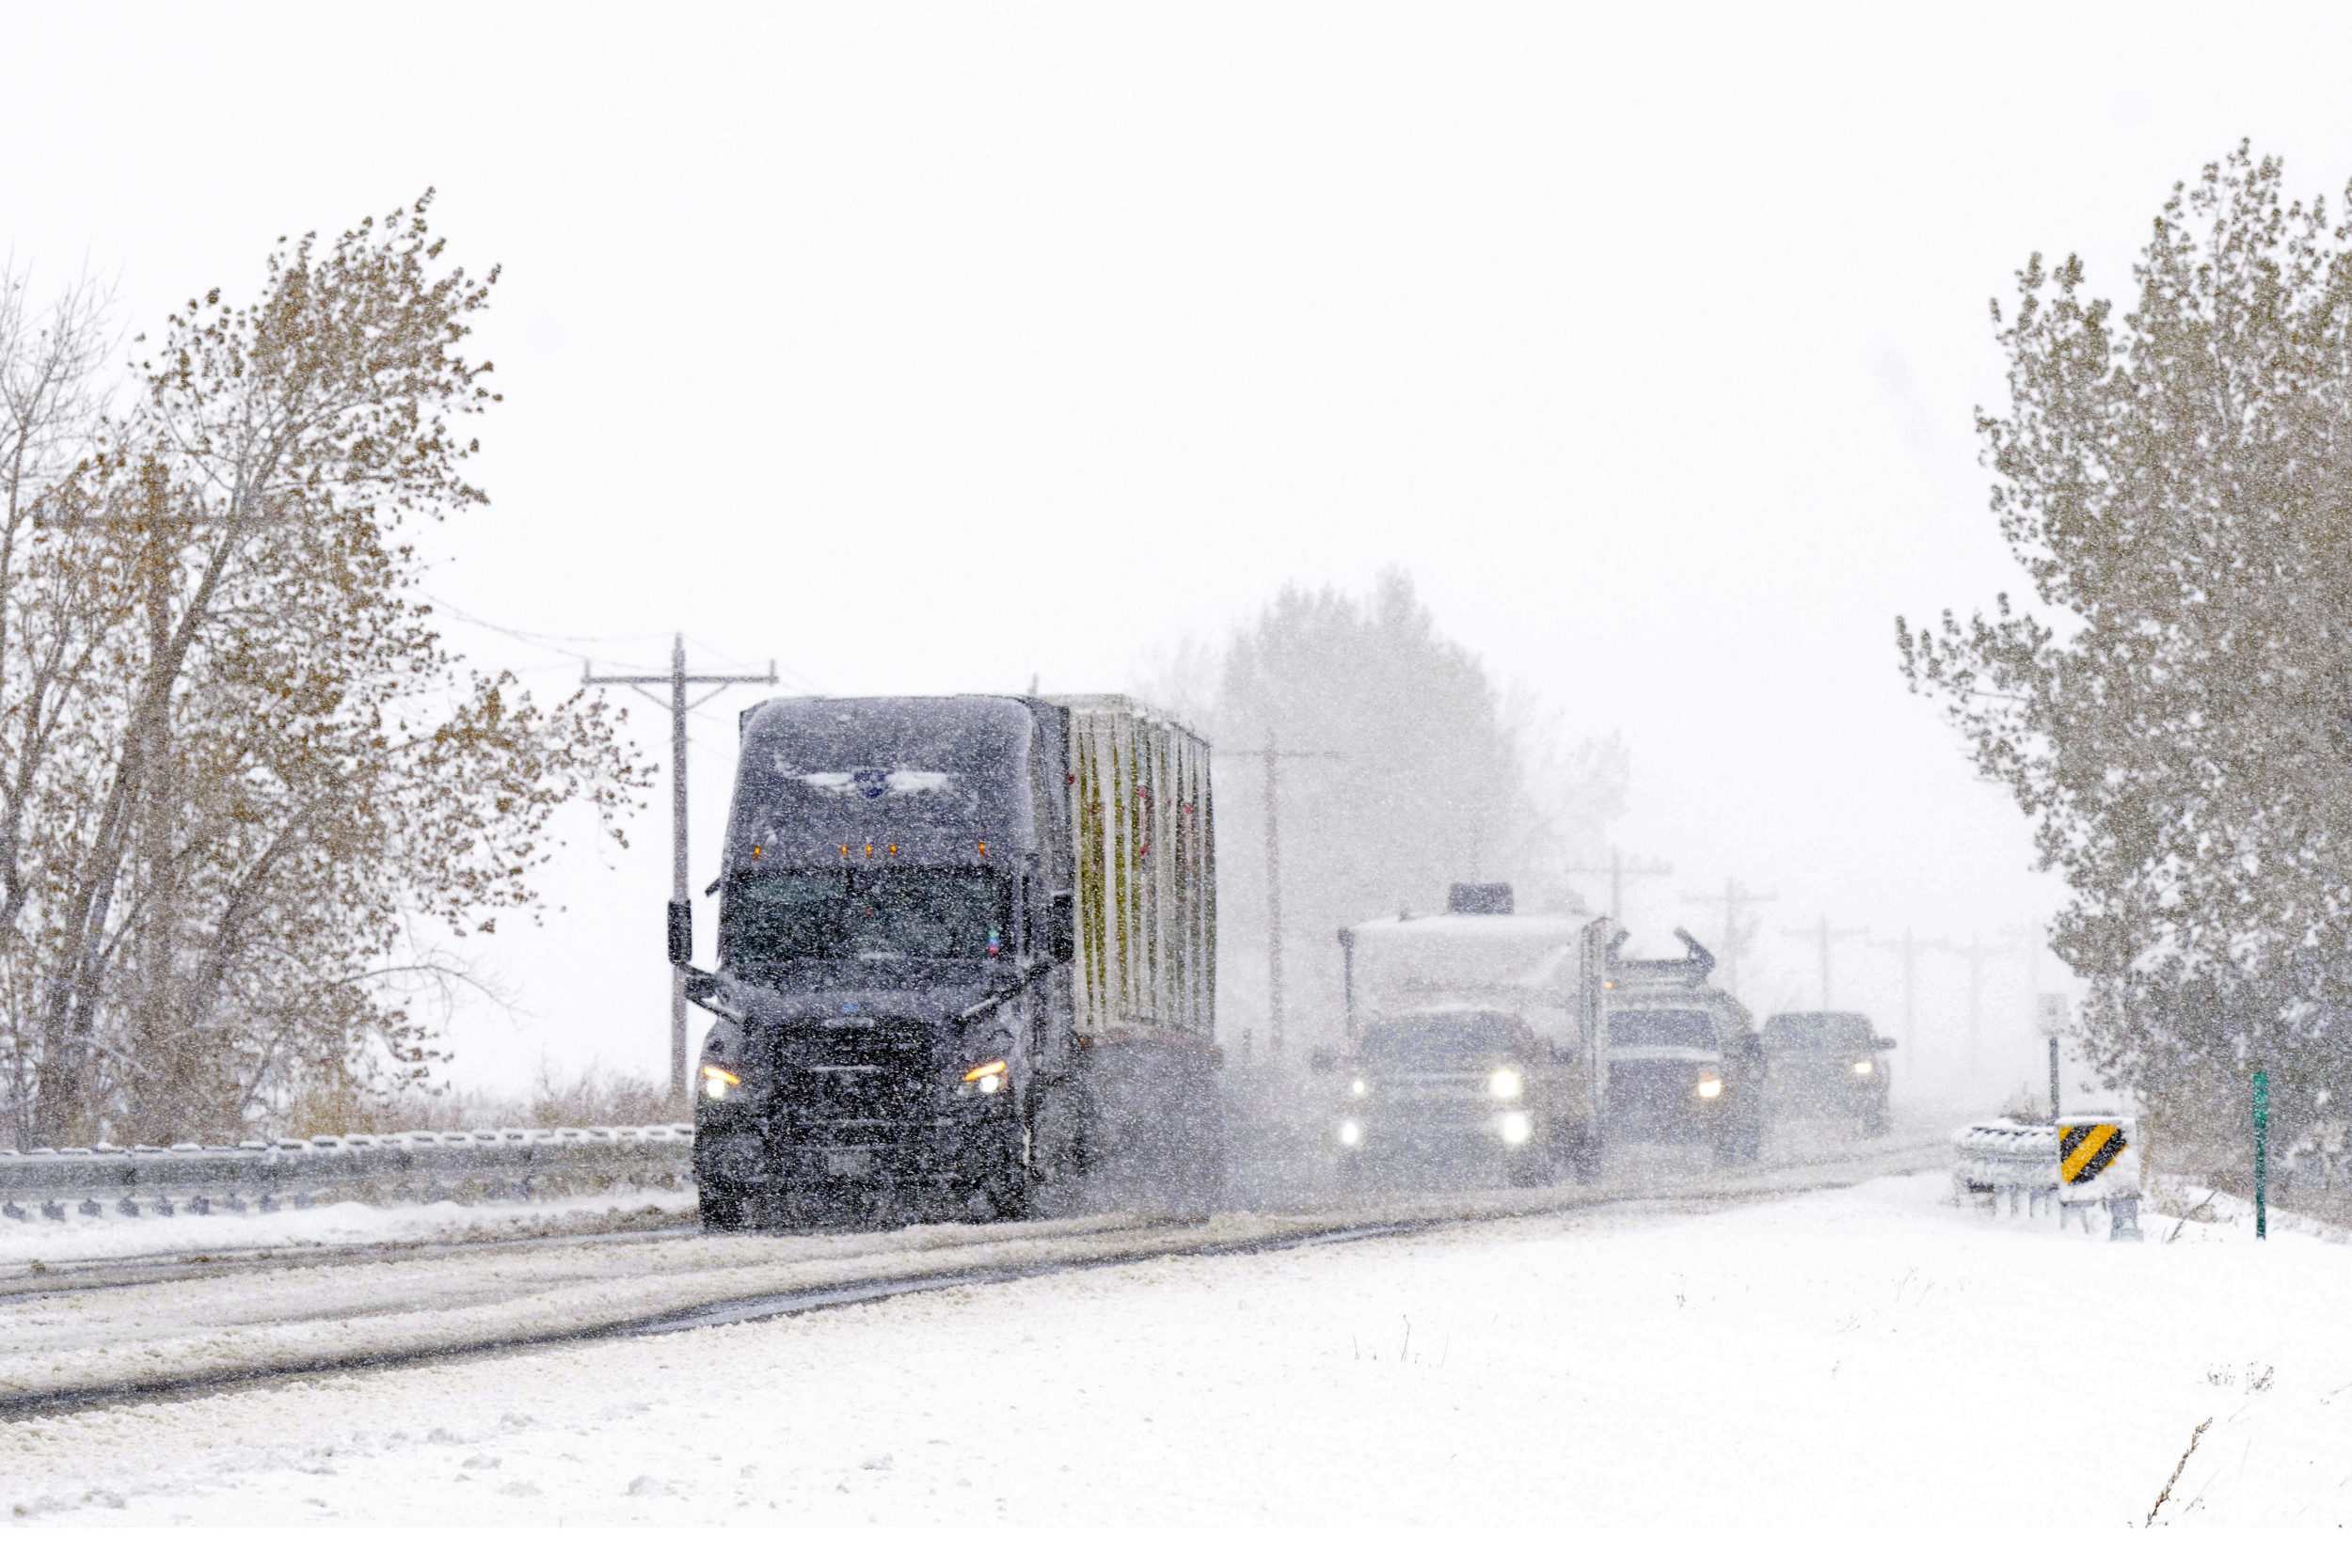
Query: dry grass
column 2198, row 1138
column 595, row 1097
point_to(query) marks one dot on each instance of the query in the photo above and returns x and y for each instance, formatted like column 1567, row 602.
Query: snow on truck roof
column 1420, row 955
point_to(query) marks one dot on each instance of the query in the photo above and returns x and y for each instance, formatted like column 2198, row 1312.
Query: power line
column 1911, row 947
column 1821, row 933
column 807, row 686
column 1617, row 870
column 1976, row 953
column 544, row 641
column 1734, row 897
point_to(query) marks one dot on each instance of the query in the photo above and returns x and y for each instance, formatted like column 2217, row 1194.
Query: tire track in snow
column 86, row 1367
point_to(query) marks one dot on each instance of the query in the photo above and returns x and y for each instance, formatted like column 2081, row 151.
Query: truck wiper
column 1001, row 994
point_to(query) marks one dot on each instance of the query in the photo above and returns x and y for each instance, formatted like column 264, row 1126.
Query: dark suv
column 1828, row 1066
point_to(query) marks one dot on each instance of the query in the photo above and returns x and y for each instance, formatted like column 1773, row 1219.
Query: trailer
column 966, row 963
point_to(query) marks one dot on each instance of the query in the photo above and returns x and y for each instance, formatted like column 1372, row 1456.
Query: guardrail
column 477, row 1166
column 2078, row 1163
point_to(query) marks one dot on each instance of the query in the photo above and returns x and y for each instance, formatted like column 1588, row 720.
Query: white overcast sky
column 927, row 348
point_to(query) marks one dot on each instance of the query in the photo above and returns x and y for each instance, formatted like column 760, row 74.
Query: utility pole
column 1734, row 898
column 1821, row 933
column 677, row 681
column 1273, row 754
column 1617, row 870
column 1977, row 952
column 1911, row 947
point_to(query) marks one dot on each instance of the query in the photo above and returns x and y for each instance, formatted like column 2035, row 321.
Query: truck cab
column 963, row 946
column 1462, row 1055
column 1679, row 1057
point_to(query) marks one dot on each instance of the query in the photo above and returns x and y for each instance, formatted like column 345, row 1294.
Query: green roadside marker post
column 2262, row 1154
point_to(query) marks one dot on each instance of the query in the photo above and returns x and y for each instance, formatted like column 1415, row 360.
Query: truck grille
column 862, row 1105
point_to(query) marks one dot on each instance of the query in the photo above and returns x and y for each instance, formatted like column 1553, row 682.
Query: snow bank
column 80, row 1237
column 1866, row 1356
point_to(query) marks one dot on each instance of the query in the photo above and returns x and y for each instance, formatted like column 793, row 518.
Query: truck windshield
column 773, row 916
column 1646, row 1030
column 1841, row 1032
column 1446, row 1042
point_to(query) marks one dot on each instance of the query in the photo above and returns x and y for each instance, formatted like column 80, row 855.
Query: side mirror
column 681, row 931
column 1061, row 926
column 1883, row 1042
column 702, row 991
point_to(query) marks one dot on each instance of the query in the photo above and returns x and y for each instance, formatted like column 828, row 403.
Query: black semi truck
column 966, row 964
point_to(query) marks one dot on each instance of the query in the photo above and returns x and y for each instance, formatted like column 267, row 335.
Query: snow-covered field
column 1866, row 1355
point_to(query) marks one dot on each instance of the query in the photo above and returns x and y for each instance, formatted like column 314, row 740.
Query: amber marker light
column 983, row 846
column 986, row 1069
column 717, row 1081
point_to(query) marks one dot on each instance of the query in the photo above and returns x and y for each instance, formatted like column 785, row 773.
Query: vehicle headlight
column 1516, row 1128
column 1360, row 1088
column 1862, row 1070
column 1711, row 1087
column 1351, row 1133
column 717, row 1081
column 987, row 1077
column 1505, row 1083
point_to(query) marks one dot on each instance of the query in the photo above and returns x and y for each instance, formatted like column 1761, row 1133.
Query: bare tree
column 252, row 796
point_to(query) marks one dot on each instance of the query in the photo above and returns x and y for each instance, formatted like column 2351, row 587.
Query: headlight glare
column 1351, row 1133
column 1360, row 1088
column 1711, row 1087
column 1505, row 1083
column 1863, row 1070
column 1516, row 1128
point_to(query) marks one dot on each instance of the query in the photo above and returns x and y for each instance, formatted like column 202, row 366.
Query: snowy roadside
column 1866, row 1355
column 282, row 1314
column 80, row 1237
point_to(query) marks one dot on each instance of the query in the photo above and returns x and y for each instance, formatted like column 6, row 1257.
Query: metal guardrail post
column 482, row 1162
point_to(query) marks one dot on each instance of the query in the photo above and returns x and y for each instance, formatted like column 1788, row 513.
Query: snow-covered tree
column 2177, row 719
column 1421, row 773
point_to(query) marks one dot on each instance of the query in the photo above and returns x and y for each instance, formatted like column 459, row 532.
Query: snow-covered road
column 1862, row 1356
column 104, row 1329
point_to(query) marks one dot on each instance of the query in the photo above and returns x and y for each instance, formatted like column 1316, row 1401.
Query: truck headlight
column 1360, row 1088
column 1505, row 1083
column 1516, row 1128
column 717, row 1081
column 987, row 1077
column 1711, row 1087
column 1862, row 1070
column 1351, row 1133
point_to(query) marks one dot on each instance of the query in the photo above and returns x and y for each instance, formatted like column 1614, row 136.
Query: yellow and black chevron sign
column 2087, row 1148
